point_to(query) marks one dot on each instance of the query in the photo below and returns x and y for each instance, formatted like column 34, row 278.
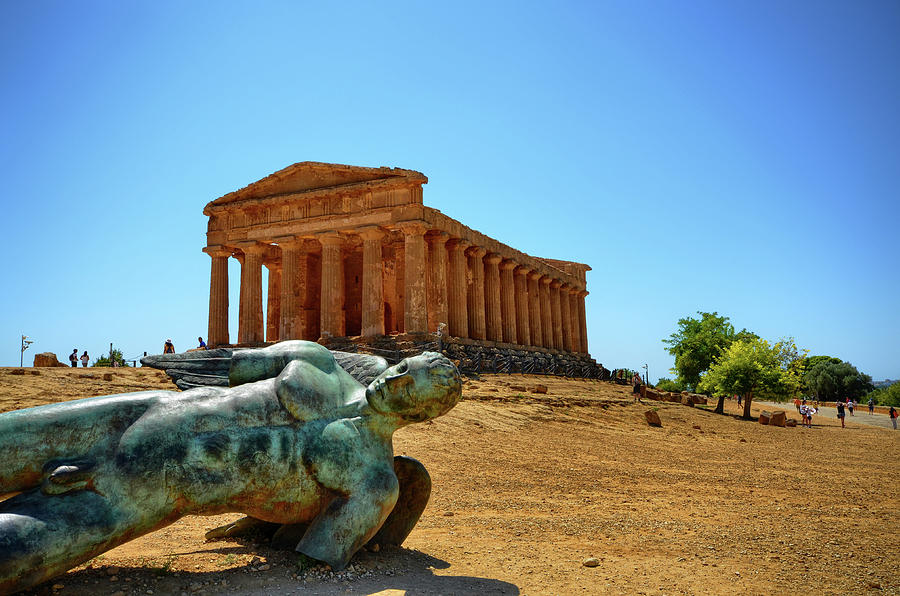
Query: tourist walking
column 850, row 404
column 636, row 386
column 893, row 414
column 840, row 408
column 871, row 406
column 169, row 347
column 797, row 404
column 73, row 358
column 202, row 345
column 85, row 359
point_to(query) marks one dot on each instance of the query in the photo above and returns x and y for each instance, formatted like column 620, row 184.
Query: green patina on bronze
column 295, row 442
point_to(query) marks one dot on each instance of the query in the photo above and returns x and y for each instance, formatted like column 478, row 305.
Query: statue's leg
column 42, row 536
column 415, row 489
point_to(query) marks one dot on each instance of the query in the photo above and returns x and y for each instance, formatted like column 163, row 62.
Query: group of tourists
column 806, row 412
column 169, row 347
column 73, row 358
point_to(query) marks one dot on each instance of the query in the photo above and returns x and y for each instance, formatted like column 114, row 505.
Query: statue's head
column 416, row 389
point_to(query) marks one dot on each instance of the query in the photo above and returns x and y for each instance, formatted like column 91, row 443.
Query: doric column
column 331, row 312
column 492, row 297
column 372, row 282
column 456, row 295
column 546, row 315
column 273, row 307
column 565, row 318
column 437, row 280
column 508, row 301
column 250, row 316
column 575, row 326
column 582, row 320
column 415, row 315
column 556, row 315
column 523, row 328
column 534, row 308
column 218, row 296
column 290, row 326
column 475, row 295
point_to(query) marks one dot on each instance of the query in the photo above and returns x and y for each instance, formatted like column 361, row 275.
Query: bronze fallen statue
column 296, row 442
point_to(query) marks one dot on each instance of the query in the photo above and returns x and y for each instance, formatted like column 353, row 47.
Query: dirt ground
column 527, row 486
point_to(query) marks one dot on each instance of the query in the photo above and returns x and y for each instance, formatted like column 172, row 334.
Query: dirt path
column 527, row 486
column 861, row 415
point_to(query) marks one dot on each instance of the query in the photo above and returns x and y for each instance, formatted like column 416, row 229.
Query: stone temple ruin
column 357, row 261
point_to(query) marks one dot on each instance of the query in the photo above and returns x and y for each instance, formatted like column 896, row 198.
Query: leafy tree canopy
column 665, row 384
column 886, row 396
column 698, row 342
column 745, row 367
column 830, row 380
column 105, row 360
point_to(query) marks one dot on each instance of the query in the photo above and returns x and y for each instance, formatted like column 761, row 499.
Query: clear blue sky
column 742, row 157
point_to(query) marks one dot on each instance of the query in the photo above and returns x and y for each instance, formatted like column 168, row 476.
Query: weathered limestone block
column 765, row 417
column 651, row 394
column 790, row 423
column 778, row 418
column 652, row 418
column 47, row 359
column 686, row 400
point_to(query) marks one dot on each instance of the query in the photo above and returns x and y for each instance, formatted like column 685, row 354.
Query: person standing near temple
column 840, row 409
column 73, row 358
column 169, row 347
column 202, row 345
column 893, row 414
column 85, row 359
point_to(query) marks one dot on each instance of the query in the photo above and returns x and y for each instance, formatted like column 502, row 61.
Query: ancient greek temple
column 353, row 252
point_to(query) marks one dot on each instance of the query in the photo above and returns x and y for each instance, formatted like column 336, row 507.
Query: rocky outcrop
column 47, row 359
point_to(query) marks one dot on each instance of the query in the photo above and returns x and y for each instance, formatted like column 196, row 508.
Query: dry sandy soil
column 527, row 486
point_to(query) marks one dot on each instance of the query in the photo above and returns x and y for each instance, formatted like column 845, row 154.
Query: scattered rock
column 652, row 418
column 47, row 359
column 790, row 423
column 107, row 376
column 743, row 440
column 539, row 389
column 17, row 371
column 112, row 571
column 520, row 388
column 696, row 427
column 264, row 567
column 591, row 562
column 448, row 514
column 58, row 587
column 765, row 416
column 35, row 372
column 778, row 418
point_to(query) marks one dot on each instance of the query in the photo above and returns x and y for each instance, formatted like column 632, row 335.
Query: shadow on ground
column 397, row 569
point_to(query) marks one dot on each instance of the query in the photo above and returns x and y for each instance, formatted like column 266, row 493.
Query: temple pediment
column 311, row 176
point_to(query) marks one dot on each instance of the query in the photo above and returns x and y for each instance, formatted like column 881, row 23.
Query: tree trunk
column 747, row 399
column 720, row 405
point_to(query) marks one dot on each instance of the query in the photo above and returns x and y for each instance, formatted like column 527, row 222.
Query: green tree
column 697, row 344
column 886, row 396
column 665, row 384
column 831, row 381
column 105, row 359
column 749, row 367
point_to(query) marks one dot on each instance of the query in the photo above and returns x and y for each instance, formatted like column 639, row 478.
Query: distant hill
column 884, row 383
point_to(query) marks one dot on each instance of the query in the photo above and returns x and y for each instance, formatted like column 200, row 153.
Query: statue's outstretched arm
column 350, row 521
column 248, row 366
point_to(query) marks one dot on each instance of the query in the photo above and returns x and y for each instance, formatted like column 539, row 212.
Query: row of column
column 478, row 294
